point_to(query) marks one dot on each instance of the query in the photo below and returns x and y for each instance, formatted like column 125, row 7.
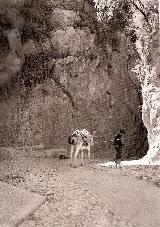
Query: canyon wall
column 148, row 46
column 57, row 74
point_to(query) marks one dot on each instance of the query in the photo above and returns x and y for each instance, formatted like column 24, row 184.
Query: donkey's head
column 73, row 139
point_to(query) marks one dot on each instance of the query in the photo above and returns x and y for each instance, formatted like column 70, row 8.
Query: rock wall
column 11, row 54
column 68, row 80
column 149, row 51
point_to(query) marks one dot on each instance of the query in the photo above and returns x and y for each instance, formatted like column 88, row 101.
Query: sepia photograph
column 79, row 113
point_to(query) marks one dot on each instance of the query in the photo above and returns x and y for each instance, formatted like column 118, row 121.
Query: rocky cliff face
column 11, row 54
column 149, row 72
column 56, row 76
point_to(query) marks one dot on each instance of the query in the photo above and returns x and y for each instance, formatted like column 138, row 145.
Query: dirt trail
column 138, row 201
column 84, row 196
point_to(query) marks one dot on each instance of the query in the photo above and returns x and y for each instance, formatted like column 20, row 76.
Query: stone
column 63, row 18
column 17, row 204
column 55, row 152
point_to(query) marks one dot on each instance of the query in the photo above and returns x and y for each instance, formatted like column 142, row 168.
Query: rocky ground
column 148, row 173
column 67, row 203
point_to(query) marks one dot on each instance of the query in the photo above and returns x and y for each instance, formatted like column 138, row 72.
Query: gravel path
column 147, row 173
column 74, row 197
column 71, row 205
column 137, row 200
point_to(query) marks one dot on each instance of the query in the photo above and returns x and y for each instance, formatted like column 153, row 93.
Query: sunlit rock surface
column 148, row 48
column 149, row 51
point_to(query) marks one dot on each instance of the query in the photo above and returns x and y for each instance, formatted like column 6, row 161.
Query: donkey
column 80, row 141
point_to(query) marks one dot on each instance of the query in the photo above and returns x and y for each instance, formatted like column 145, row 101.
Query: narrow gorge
column 62, row 69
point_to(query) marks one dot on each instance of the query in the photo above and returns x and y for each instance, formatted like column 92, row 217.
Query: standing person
column 118, row 144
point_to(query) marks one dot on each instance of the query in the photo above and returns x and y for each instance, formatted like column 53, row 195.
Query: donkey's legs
column 72, row 149
column 82, row 157
column 89, row 152
column 76, row 153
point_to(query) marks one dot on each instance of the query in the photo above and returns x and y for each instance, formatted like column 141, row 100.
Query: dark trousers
column 118, row 152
